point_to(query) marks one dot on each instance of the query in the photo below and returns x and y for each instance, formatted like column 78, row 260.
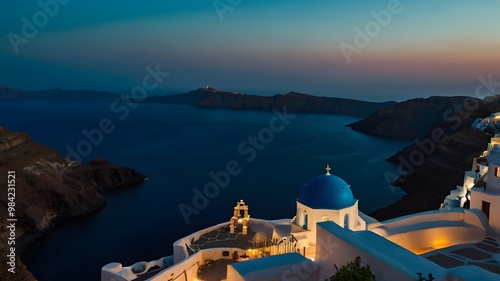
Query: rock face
column 12, row 140
column 294, row 102
column 410, row 119
column 429, row 179
column 50, row 187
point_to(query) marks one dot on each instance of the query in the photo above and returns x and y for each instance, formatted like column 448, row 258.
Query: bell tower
column 238, row 218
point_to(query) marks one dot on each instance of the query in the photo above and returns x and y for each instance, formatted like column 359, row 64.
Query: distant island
column 208, row 97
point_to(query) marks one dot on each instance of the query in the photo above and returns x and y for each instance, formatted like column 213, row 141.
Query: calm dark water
column 177, row 147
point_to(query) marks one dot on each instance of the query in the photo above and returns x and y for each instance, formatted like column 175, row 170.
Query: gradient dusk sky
column 261, row 47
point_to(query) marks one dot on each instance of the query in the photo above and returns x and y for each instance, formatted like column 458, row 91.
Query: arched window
column 346, row 221
column 325, row 218
column 305, row 220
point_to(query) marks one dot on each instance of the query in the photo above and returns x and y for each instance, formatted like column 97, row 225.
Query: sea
column 270, row 156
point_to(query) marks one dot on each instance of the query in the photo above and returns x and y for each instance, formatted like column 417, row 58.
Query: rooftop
column 377, row 246
column 326, row 192
column 221, row 238
column 485, row 254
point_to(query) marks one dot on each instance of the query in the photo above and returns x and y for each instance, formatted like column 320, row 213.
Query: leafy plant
column 353, row 271
column 420, row 278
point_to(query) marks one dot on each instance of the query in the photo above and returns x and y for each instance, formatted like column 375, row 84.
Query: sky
column 372, row 50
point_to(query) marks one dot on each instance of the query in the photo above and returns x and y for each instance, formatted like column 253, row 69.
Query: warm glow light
column 440, row 242
column 311, row 256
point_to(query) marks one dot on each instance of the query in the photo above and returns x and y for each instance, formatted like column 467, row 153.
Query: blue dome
column 326, row 192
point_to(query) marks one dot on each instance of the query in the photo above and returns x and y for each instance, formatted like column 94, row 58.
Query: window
column 325, row 218
column 346, row 221
column 305, row 220
column 497, row 172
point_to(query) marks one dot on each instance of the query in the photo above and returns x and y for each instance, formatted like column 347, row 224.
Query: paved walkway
column 485, row 254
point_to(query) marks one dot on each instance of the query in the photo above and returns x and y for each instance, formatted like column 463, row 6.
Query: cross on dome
column 328, row 170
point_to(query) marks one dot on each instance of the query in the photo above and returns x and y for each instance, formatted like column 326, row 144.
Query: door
column 486, row 209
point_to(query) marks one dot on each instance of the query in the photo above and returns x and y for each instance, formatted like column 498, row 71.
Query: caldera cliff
column 435, row 162
column 49, row 187
column 294, row 102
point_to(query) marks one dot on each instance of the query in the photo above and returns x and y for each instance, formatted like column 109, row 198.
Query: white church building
column 460, row 241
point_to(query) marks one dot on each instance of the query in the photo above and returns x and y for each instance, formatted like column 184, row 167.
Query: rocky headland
column 409, row 119
column 49, row 187
column 295, row 102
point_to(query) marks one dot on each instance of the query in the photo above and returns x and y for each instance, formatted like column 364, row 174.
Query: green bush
column 353, row 271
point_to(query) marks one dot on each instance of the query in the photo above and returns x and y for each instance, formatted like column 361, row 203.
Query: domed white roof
column 326, row 192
